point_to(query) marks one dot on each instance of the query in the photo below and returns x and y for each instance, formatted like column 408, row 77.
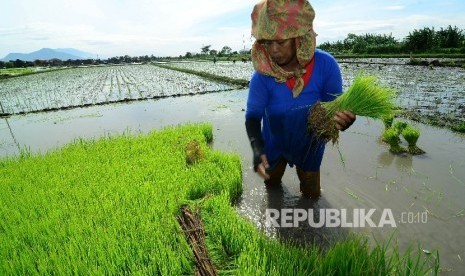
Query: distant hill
column 47, row 54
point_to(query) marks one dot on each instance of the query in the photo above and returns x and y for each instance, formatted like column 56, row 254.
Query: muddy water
column 366, row 177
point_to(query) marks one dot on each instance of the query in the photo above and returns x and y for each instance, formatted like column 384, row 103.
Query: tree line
column 450, row 40
column 206, row 52
column 77, row 62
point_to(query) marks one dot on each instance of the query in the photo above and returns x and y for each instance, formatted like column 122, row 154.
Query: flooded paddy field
column 426, row 193
column 370, row 176
column 78, row 87
column 432, row 95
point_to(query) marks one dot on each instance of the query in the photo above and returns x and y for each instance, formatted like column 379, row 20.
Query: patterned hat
column 281, row 19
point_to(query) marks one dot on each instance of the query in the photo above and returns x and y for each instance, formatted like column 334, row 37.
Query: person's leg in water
column 276, row 174
column 309, row 183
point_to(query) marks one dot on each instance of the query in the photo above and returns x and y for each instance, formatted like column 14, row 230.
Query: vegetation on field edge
column 237, row 82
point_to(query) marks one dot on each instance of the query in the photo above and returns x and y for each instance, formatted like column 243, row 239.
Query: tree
column 225, row 51
column 9, row 64
column 188, row 55
column 39, row 62
column 19, row 63
column 205, row 49
column 213, row 52
column 450, row 37
column 420, row 40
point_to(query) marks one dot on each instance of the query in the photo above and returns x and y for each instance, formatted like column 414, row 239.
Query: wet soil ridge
column 402, row 61
column 213, row 77
column 194, row 230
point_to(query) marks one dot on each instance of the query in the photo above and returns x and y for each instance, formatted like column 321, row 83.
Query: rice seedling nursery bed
column 237, row 70
column 110, row 206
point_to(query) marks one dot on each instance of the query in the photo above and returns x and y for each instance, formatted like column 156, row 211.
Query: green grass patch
column 14, row 72
column 459, row 127
column 109, row 207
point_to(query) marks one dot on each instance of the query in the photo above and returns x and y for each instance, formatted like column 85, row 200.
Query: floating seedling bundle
column 365, row 97
column 387, row 121
column 391, row 136
column 411, row 135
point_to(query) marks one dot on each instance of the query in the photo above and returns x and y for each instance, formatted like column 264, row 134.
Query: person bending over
column 290, row 76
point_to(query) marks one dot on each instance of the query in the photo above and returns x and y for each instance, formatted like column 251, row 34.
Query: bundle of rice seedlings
column 399, row 126
column 194, row 152
column 391, row 136
column 365, row 97
column 387, row 120
column 411, row 135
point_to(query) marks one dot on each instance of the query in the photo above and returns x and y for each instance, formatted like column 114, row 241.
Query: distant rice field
column 433, row 95
column 77, row 87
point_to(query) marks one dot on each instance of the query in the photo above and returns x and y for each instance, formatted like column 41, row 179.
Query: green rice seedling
column 109, row 207
column 365, row 97
column 399, row 126
column 391, row 136
column 411, row 135
column 388, row 120
column 238, row 249
column 459, row 127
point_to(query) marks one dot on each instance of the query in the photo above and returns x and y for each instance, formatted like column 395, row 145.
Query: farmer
column 290, row 76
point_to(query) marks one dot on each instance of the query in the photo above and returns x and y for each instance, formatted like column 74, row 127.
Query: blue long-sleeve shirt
column 284, row 118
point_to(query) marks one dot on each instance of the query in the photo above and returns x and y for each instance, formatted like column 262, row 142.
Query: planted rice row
column 76, row 87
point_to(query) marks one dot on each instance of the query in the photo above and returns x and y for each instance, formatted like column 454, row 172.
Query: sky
column 110, row 28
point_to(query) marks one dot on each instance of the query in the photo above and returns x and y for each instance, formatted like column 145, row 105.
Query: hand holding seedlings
column 365, row 97
column 344, row 119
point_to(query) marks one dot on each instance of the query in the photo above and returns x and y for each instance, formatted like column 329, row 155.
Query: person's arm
column 256, row 104
column 253, row 128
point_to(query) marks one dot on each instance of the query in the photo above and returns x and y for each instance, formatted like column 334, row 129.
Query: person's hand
column 263, row 166
column 344, row 119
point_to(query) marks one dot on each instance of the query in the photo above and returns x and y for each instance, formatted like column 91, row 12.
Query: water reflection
column 280, row 198
column 385, row 158
column 404, row 162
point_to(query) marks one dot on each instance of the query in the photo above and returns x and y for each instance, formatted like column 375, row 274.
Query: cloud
column 174, row 27
column 394, row 8
column 117, row 26
column 399, row 27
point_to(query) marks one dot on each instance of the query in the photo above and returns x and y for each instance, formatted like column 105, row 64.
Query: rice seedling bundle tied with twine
column 365, row 97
